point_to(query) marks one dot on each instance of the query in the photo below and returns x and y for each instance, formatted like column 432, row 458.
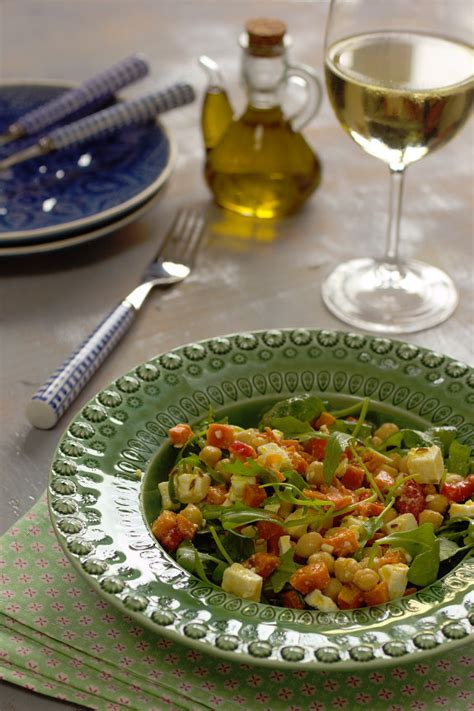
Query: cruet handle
column 314, row 94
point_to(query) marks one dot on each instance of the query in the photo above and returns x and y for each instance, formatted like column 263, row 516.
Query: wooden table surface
column 251, row 274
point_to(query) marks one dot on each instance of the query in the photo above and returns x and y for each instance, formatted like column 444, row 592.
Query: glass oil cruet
column 260, row 165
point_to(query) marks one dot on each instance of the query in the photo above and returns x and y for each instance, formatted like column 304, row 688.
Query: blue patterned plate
column 79, row 188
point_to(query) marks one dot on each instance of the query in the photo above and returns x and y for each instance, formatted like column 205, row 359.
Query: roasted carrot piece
column 216, row 494
column 292, row 599
column 350, row 597
column 314, row 576
column 186, row 527
column 384, row 480
column 264, row 563
column 325, row 418
column 378, row 594
column 180, row 434
column 163, row 524
column 220, row 435
column 253, row 495
column 353, row 477
column 268, row 529
column 344, row 542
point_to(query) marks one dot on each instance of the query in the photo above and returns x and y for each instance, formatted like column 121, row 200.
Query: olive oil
column 262, row 167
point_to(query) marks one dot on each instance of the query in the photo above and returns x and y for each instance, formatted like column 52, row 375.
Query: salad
column 317, row 509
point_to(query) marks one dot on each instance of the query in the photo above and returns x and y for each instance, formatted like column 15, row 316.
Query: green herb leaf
column 305, row 409
column 423, row 546
column 459, row 458
column 292, row 477
column 336, row 446
column 285, row 570
column 194, row 561
column 249, row 467
column 442, row 436
column 447, row 548
column 406, row 439
column 291, row 427
column 232, row 517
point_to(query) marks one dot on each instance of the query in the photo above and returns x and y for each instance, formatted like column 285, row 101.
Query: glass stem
column 395, row 211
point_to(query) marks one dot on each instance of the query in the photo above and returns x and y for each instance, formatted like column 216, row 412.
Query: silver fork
column 172, row 264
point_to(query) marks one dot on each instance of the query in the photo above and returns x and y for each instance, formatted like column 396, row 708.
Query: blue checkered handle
column 120, row 115
column 61, row 389
column 101, row 86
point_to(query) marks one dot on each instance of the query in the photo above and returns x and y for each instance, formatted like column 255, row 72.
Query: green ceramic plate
column 101, row 510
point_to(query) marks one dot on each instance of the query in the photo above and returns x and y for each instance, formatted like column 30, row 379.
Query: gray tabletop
column 251, row 274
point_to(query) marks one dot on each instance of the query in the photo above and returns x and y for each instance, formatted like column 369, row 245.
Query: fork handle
column 52, row 399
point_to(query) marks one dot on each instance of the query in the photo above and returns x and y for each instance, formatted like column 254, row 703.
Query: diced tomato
column 180, row 434
column 253, row 495
column 186, row 527
column 163, row 524
column 273, row 546
column 216, row 494
column 378, row 594
column 264, row 563
column 242, row 450
column 310, row 577
column 172, row 539
column 410, row 591
column 411, row 499
column 220, row 435
column 316, row 447
column 344, row 542
column 293, row 600
column 350, row 597
column 268, row 530
column 384, row 480
column 459, row 491
column 353, row 477
column 325, row 418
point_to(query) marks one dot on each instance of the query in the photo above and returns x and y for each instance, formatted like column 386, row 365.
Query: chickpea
column 308, row 544
column 218, row 467
column 210, row 455
column 285, row 509
column 428, row 516
column 193, row 514
column 437, row 502
column 252, row 436
column 386, row 430
column 315, row 473
column 322, row 557
column 402, row 465
column 345, row 569
column 376, row 441
column 389, row 469
column 390, row 516
column 365, row 579
column 396, row 458
column 453, row 478
column 333, row 588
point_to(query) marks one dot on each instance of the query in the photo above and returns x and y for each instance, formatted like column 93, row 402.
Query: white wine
column 400, row 95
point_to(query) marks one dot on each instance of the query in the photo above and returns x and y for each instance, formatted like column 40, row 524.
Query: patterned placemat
column 59, row 638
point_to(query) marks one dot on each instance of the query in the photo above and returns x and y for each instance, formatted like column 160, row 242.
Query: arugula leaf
column 447, row 548
column 232, row 517
column 349, row 426
column 406, row 439
column 459, row 458
column 291, row 427
column 292, row 477
column 194, row 561
column 442, row 436
column 372, row 525
column 362, row 416
column 336, row 446
column 423, row 546
column 249, row 467
column 239, row 548
column 285, row 570
column 305, row 409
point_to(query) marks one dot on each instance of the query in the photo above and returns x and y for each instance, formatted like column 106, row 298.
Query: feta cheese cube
column 466, row 509
column 272, row 455
column 238, row 484
column 242, row 582
column 426, row 464
column 192, row 487
column 395, row 575
column 404, row 522
column 322, row 602
column 355, row 523
column 166, row 502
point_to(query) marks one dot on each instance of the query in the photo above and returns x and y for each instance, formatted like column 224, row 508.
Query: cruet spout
column 217, row 110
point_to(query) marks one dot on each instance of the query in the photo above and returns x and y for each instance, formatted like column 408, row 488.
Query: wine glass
column 399, row 76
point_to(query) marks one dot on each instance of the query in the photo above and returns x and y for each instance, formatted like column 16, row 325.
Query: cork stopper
column 265, row 36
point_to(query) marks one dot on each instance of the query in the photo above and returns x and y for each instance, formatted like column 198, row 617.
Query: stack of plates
column 81, row 193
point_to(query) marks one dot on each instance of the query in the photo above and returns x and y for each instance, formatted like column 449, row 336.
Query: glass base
column 389, row 298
